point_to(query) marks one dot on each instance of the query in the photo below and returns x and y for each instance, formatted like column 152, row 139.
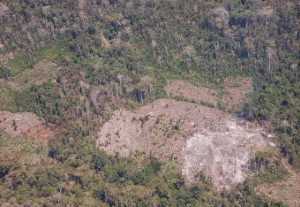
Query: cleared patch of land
column 190, row 91
column 223, row 152
column 24, row 124
column 234, row 92
column 198, row 137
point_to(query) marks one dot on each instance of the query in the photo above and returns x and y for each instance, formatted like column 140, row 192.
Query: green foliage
column 43, row 100
column 55, row 52
column 269, row 169
column 99, row 161
column 99, row 179
column 7, row 101
column 16, row 65
column 130, row 39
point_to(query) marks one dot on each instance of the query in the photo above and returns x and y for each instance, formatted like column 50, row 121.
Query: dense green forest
column 111, row 45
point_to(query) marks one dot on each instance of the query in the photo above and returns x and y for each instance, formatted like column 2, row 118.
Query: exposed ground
column 24, row 124
column 190, row 91
column 234, row 92
column 224, row 152
column 198, row 137
column 287, row 190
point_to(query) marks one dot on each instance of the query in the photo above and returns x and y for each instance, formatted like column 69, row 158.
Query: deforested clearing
column 190, row 91
column 24, row 124
column 199, row 138
column 224, row 153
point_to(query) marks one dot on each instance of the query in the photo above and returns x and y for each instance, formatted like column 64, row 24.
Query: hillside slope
column 76, row 68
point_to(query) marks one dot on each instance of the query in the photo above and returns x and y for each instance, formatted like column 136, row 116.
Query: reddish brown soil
column 190, row 91
column 24, row 124
column 41, row 133
column 235, row 91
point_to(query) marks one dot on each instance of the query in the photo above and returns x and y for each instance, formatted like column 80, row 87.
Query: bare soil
column 41, row 132
column 24, row 124
column 235, row 91
column 198, row 137
column 190, row 91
